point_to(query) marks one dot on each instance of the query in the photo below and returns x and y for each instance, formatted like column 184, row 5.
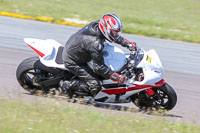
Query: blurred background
column 172, row 19
column 170, row 27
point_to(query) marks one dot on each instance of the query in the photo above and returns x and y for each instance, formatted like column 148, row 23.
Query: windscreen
column 138, row 57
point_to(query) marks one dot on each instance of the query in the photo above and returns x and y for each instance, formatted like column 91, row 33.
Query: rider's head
column 110, row 25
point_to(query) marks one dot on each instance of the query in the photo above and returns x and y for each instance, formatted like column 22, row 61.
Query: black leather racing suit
column 85, row 45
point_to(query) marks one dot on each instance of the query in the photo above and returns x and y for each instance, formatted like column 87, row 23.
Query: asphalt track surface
column 180, row 60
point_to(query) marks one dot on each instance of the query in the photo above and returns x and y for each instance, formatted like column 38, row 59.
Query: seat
column 59, row 59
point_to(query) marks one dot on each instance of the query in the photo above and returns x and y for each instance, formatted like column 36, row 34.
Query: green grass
column 172, row 19
column 23, row 117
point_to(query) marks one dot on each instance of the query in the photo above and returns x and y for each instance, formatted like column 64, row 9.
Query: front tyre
column 167, row 95
column 164, row 98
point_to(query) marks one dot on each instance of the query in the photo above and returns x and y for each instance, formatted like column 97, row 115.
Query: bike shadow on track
column 90, row 102
column 134, row 110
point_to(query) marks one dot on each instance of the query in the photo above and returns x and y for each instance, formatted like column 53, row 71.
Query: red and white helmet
column 110, row 25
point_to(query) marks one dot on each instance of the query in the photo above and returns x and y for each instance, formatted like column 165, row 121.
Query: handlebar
column 132, row 56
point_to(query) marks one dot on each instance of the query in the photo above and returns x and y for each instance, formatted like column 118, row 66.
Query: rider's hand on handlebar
column 121, row 79
column 132, row 46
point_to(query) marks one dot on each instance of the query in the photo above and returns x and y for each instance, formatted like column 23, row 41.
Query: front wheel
column 164, row 98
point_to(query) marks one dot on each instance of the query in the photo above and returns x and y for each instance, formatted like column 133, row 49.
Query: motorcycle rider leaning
column 87, row 44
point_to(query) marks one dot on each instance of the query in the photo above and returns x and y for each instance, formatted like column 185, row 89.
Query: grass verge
column 173, row 19
column 20, row 117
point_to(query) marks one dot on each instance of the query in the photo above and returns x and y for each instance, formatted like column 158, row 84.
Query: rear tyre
column 30, row 72
column 164, row 98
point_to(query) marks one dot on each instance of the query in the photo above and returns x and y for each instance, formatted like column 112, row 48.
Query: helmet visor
column 114, row 34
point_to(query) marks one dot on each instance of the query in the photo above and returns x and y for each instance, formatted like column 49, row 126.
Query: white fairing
column 155, row 63
column 49, row 48
column 153, row 69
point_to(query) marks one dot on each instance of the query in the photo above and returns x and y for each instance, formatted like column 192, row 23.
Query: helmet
column 110, row 25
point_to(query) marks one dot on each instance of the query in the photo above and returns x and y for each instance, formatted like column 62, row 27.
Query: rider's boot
column 95, row 87
column 74, row 85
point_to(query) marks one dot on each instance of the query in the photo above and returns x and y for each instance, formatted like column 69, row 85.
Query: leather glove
column 121, row 79
column 132, row 46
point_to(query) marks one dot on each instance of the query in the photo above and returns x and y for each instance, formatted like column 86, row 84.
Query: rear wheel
column 31, row 73
column 164, row 98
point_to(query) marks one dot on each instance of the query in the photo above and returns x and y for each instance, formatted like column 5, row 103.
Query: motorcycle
column 145, row 86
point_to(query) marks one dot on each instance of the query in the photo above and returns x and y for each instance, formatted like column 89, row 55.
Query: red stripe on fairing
column 123, row 90
column 37, row 51
column 136, row 87
column 160, row 83
column 150, row 92
column 114, row 91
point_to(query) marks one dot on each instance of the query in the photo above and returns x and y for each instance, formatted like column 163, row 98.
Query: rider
column 87, row 44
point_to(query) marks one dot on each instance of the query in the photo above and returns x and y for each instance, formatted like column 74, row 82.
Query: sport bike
column 145, row 86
